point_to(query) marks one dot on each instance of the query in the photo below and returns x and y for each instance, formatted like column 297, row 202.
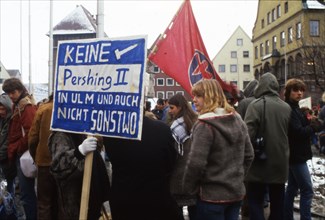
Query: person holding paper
column 299, row 136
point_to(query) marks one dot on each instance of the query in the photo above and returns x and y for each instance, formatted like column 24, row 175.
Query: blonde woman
column 220, row 155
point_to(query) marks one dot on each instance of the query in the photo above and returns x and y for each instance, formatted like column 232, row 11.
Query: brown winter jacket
column 219, row 158
column 21, row 121
column 39, row 134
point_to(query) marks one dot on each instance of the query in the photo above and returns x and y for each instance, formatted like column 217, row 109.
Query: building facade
column 79, row 24
column 234, row 62
column 289, row 41
column 163, row 85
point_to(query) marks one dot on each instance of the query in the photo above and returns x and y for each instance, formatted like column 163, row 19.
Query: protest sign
column 99, row 87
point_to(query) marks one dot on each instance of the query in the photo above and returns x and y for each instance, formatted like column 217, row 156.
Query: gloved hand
column 88, row 145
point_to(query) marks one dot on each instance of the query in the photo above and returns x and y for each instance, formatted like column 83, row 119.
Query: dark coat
column 141, row 174
column 67, row 168
column 299, row 136
column 4, row 127
column 249, row 97
column 176, row 180
column 9, row 169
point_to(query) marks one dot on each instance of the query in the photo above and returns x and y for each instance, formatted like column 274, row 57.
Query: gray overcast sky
column 217, row 20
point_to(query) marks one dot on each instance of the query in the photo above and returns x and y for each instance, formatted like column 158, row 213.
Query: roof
column 79, row 21
column 14, row 73
column 313, row 4
column 239, row 30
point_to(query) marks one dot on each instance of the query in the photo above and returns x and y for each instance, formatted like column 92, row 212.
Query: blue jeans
column 27, row 193
column 220, row 211
column 299, row 178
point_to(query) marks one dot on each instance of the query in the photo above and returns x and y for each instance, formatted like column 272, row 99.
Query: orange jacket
column 39, row 134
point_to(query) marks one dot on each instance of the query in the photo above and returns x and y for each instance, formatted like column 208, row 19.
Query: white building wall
column 223, row 57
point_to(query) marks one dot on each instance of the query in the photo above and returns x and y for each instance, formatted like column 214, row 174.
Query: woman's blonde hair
column 212, row 94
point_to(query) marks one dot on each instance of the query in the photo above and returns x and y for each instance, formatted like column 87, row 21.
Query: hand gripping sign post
column 99, row 90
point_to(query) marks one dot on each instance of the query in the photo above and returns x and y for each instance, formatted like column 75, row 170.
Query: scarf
column 179, row 133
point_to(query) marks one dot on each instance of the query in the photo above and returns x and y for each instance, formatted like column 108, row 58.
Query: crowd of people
column 216, row 159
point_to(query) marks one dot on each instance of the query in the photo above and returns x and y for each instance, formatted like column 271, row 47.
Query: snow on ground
column 317, row 170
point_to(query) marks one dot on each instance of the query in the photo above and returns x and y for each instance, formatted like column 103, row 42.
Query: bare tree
column 313, row 52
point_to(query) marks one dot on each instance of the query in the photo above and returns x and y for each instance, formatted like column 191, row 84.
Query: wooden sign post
column 86, row 186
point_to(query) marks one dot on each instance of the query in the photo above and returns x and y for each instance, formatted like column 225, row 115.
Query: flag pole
column 30, row 49
column 50, row 76
column 162, row 35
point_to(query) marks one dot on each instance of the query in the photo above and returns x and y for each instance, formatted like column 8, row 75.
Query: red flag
column 181, row 53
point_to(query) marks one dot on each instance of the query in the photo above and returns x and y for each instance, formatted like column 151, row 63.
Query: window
column 160, row 95
column 314, row 28
column 160, row 82
column 234, row 82
column 262, row 23
column 179, row 92
column 261, row 50
column 290, row 37
column 273, row 15
column 233, row 68
column 267, row 47
column 169, row 94
column 245, row 83
column 274, row 42
column 246, row 53
column 286, row 7
column 312, row 88
column 239, row 42
column 268, row 17
column 247, row 68
column 233, row 54
column 169, row 82
column 278, row 11
column 156, row 69
column 283, row 38
column 298, row 27
column 222, row 68
column 177, row 84
column 256, row 52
